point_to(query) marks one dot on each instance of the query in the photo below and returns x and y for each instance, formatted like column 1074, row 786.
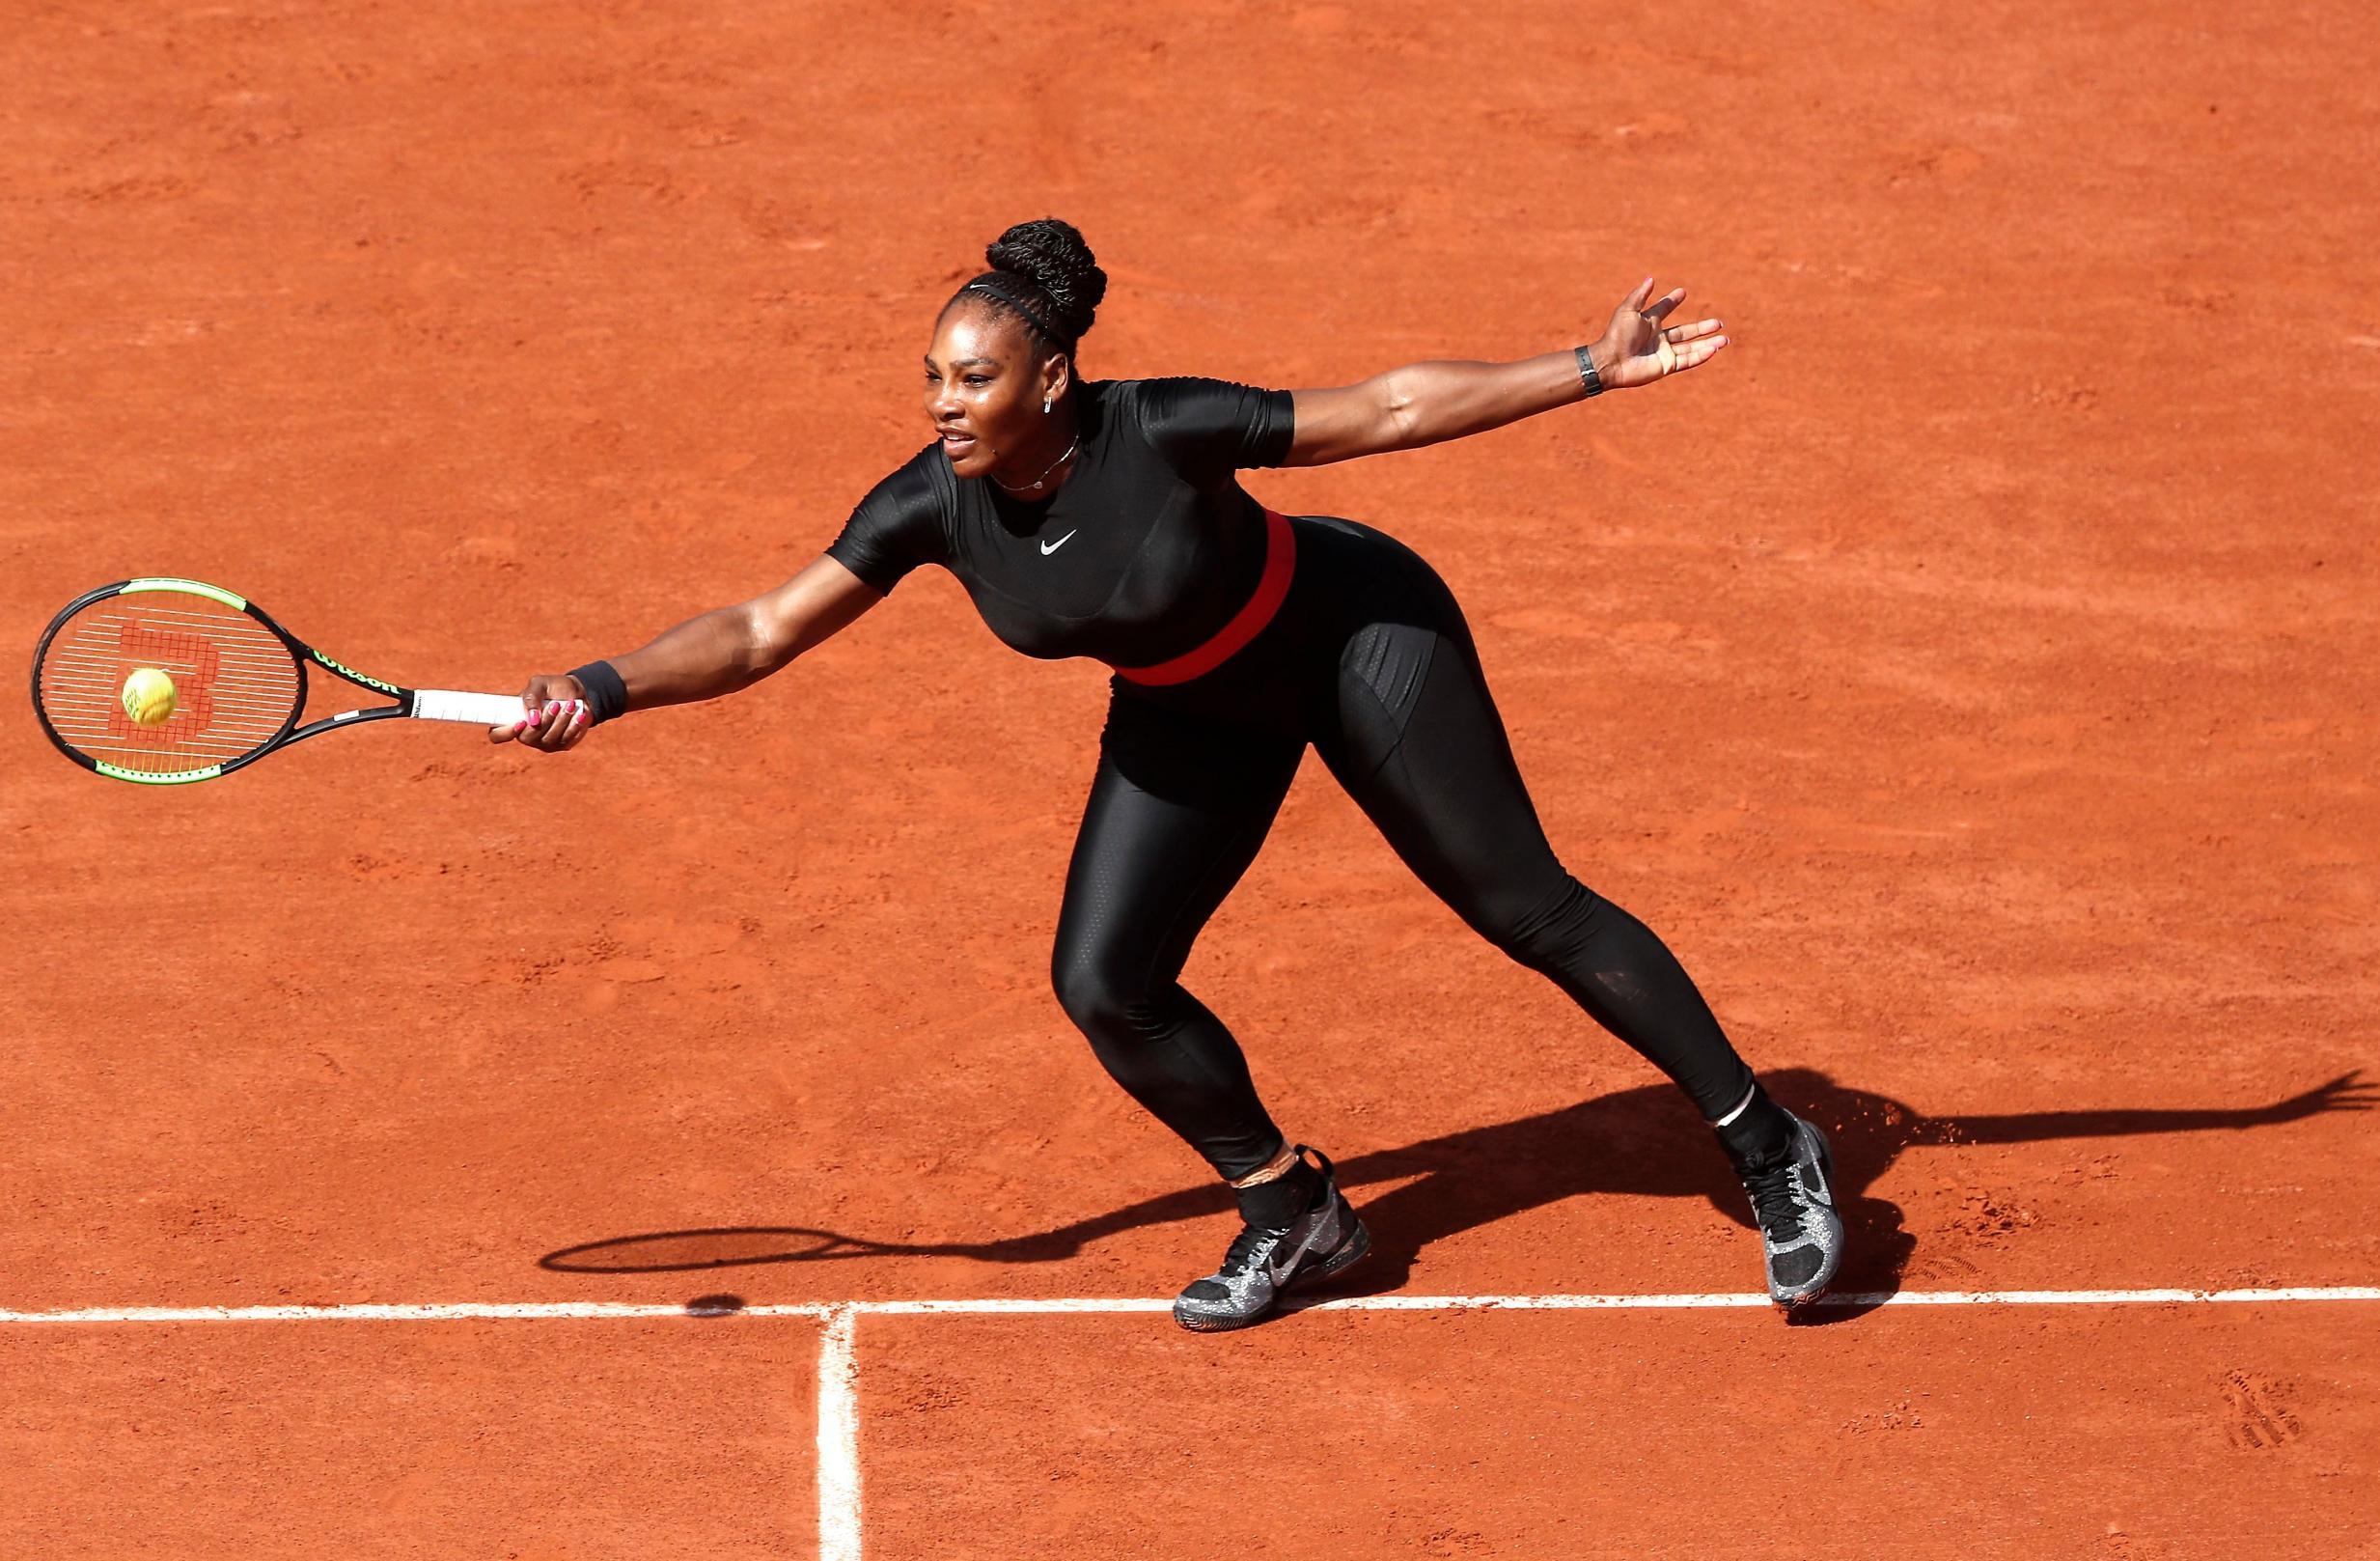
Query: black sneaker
column 1793, row 1201
column 1265, row 1261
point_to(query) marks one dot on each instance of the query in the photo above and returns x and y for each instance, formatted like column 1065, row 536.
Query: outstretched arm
column 722, row 651
column 1429, row 402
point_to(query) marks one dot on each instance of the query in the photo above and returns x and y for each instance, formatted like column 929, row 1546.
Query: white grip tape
column 480, row 709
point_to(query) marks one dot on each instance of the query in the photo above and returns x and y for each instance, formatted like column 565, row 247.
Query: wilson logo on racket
column 353, row 675
column 240, row 683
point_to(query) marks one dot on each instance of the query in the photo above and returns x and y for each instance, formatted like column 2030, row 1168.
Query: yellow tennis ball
column 149, row 697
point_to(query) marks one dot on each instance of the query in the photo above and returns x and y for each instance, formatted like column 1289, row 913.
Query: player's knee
column 1098, row 997
column 1546, row 930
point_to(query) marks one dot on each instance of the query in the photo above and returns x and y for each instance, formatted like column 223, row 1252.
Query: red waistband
column 1272, row 586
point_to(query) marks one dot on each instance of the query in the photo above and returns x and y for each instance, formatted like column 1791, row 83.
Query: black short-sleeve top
column 1147, row 549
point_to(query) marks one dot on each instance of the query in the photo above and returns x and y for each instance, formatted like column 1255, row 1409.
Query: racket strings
column 235, row 683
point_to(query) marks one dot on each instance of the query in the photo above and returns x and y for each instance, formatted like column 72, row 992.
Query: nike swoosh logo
column 1049, row 548
column 1281, row 1265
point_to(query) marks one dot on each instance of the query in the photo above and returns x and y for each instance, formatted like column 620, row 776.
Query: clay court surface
column 1970, row 674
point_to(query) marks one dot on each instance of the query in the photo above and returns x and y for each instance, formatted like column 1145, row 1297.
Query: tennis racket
column 239, row 683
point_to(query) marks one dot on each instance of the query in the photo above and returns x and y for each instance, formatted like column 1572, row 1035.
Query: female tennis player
column 1105, row 518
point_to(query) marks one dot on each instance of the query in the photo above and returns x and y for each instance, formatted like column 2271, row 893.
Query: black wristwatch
column 1586, row 375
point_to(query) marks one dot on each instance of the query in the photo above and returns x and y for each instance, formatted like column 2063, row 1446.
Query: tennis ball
column 149, row 697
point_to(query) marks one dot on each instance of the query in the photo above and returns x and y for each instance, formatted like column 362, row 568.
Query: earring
column 1045, row 401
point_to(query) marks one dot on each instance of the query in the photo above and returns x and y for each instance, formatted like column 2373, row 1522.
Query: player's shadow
column 1647, row 1142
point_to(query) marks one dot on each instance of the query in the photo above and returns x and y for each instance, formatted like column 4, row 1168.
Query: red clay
column 2135, row 1432
column 498, row 1439
column 1969, row 674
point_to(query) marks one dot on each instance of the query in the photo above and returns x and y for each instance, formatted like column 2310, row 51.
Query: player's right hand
column 553, row 715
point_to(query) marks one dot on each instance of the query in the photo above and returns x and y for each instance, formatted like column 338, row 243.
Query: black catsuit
column 1149, row 551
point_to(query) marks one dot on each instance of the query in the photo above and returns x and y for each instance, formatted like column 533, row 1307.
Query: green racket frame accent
column 197, row 588
column 119, row 772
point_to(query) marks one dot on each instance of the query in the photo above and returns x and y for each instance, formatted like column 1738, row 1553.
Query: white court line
column 386, row 1312
column 839, row 1509
column 1904, row 1297
column 839, row 1471
column 829, row 1311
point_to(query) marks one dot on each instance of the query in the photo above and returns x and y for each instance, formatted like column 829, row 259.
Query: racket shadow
column 1644, row 1142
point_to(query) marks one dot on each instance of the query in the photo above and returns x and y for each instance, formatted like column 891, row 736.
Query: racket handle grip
column 478, row 709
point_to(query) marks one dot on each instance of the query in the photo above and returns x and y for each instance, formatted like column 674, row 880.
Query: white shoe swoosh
column 1280, row 1267
column 1049, row 548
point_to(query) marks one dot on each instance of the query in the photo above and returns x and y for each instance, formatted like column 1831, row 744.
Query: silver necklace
column 1037, row 483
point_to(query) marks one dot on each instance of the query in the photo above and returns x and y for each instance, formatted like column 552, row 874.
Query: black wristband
column 1586, row 375
column 607, row 695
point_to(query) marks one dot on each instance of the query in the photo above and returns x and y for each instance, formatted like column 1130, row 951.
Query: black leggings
column 1369, row 661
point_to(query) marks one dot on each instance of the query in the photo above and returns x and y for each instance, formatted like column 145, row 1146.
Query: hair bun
column 1052, row 256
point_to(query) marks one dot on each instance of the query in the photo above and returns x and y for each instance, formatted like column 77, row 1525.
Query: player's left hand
column 1640, row 346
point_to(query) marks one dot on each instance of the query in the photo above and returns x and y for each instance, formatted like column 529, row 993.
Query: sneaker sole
column 1348, row 1253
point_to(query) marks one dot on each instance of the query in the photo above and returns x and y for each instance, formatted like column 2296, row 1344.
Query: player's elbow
column 1398, row 418
column 766, row 643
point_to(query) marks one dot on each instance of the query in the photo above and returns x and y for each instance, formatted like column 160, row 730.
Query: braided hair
column 1046, row 276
